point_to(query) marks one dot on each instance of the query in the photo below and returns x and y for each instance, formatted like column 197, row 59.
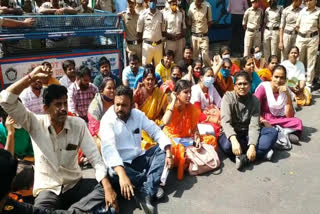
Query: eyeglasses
column 244, row 84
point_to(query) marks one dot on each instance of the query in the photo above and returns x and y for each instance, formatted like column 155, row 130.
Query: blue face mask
column 225, row 72
column 152, row 5
column 208, row 81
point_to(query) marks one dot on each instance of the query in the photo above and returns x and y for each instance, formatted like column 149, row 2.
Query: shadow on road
column 307, row 133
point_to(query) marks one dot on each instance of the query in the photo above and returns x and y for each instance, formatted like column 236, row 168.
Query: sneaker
column 145, row 202
column 294, row 139
column 241, row 161
column 160, row 193
column 269, row 155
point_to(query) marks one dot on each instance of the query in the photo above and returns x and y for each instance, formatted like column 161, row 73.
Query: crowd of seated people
column 126, row 126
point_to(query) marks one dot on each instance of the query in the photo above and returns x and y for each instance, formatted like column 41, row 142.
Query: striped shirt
column 127, row 75
column 31, row 101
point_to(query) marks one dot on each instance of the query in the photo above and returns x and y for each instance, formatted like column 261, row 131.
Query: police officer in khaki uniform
column 308, row 25
column 200, row 19
column 272, row 20
column 151, row 28
column 175, row 29
column 130, row 18
column 251, row 23
column 288, row 33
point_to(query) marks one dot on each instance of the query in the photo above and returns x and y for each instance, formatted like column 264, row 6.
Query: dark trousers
column 145, row 171
column 237, row 34
column 268, row 136
column 83, row 197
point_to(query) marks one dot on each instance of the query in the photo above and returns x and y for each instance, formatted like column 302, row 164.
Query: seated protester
column 81, row 93
column 27, row 7
column 53, row 7
column 99, row 105
column 139, row 78
column 131, row 72
column 31, row 97
column 69, row 68
column 204, row 94
column 265, row 74
column 83, row 8
column 8, row 173
column 176, row 74
column 36, row 6
column 194, row 72
column 50, row 80
column 165, row 65
column 259, row 61
column 181, row 117
column 56, row 139
column 150, row 100
column 137, row 172
column 223, row 80
column 247, row 65
column 296, row 78
column 187, row 59
column 105, row 71
column 10, row 7
column 224, row 53
column 242, row 138
column 276, row 104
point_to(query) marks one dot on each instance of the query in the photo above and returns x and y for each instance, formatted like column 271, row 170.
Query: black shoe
column 160, row 193
column 294, row 139
column 145, row 202
column 241, row 161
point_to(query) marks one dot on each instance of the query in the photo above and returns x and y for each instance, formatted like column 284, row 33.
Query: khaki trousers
column 288, row 42
column 150, row 52
column 251, row 39
column 177, row 47
column 203, row 44
column 271, row 43
column 135, row 50
column 308, row 55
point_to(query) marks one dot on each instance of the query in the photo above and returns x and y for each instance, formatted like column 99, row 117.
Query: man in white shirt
column 31, row 97
column 137, row 171
column 69, row 73
column 56, row 139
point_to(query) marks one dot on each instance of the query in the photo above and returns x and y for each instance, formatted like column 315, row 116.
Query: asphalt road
column 288, row 184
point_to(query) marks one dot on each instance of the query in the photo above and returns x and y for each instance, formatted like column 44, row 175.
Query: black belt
column 272, row 28
column 293, row 32
column 153, row 43
column 200, row 34
column 308, row 35
column 133, row 42
column 173, row 39
column 253, row 30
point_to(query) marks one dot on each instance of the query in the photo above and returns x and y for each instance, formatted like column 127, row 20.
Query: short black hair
column 103, row 60
column 104, row 83
column 8, row 166
column 242, row 74
column 176, row 67
column 281, row 67
column 53, row 92
column 133, row 57
column 187, row 47
column 83, row 71
column 45, row 63
column 182, row 85
column 169, row 53
column 273, row 57
column 67, row 63
column 149, row 69
column 124, row 91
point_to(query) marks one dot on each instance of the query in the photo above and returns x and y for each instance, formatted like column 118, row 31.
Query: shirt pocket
column 69, row 158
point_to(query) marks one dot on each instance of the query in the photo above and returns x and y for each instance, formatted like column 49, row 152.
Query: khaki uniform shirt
column 151, row 25
column 272, row 17
column 130, row 23
column 174, row 21
column 199, row 18
column 289, row 18
column 308, row 21
column 252, row 18
column 140, row 9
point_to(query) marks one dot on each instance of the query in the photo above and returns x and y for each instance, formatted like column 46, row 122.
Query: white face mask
column 139, row 1
column 226, row 56
column 258, row 55
column 208, row 81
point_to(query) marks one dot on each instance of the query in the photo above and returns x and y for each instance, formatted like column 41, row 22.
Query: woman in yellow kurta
column 151, row 100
